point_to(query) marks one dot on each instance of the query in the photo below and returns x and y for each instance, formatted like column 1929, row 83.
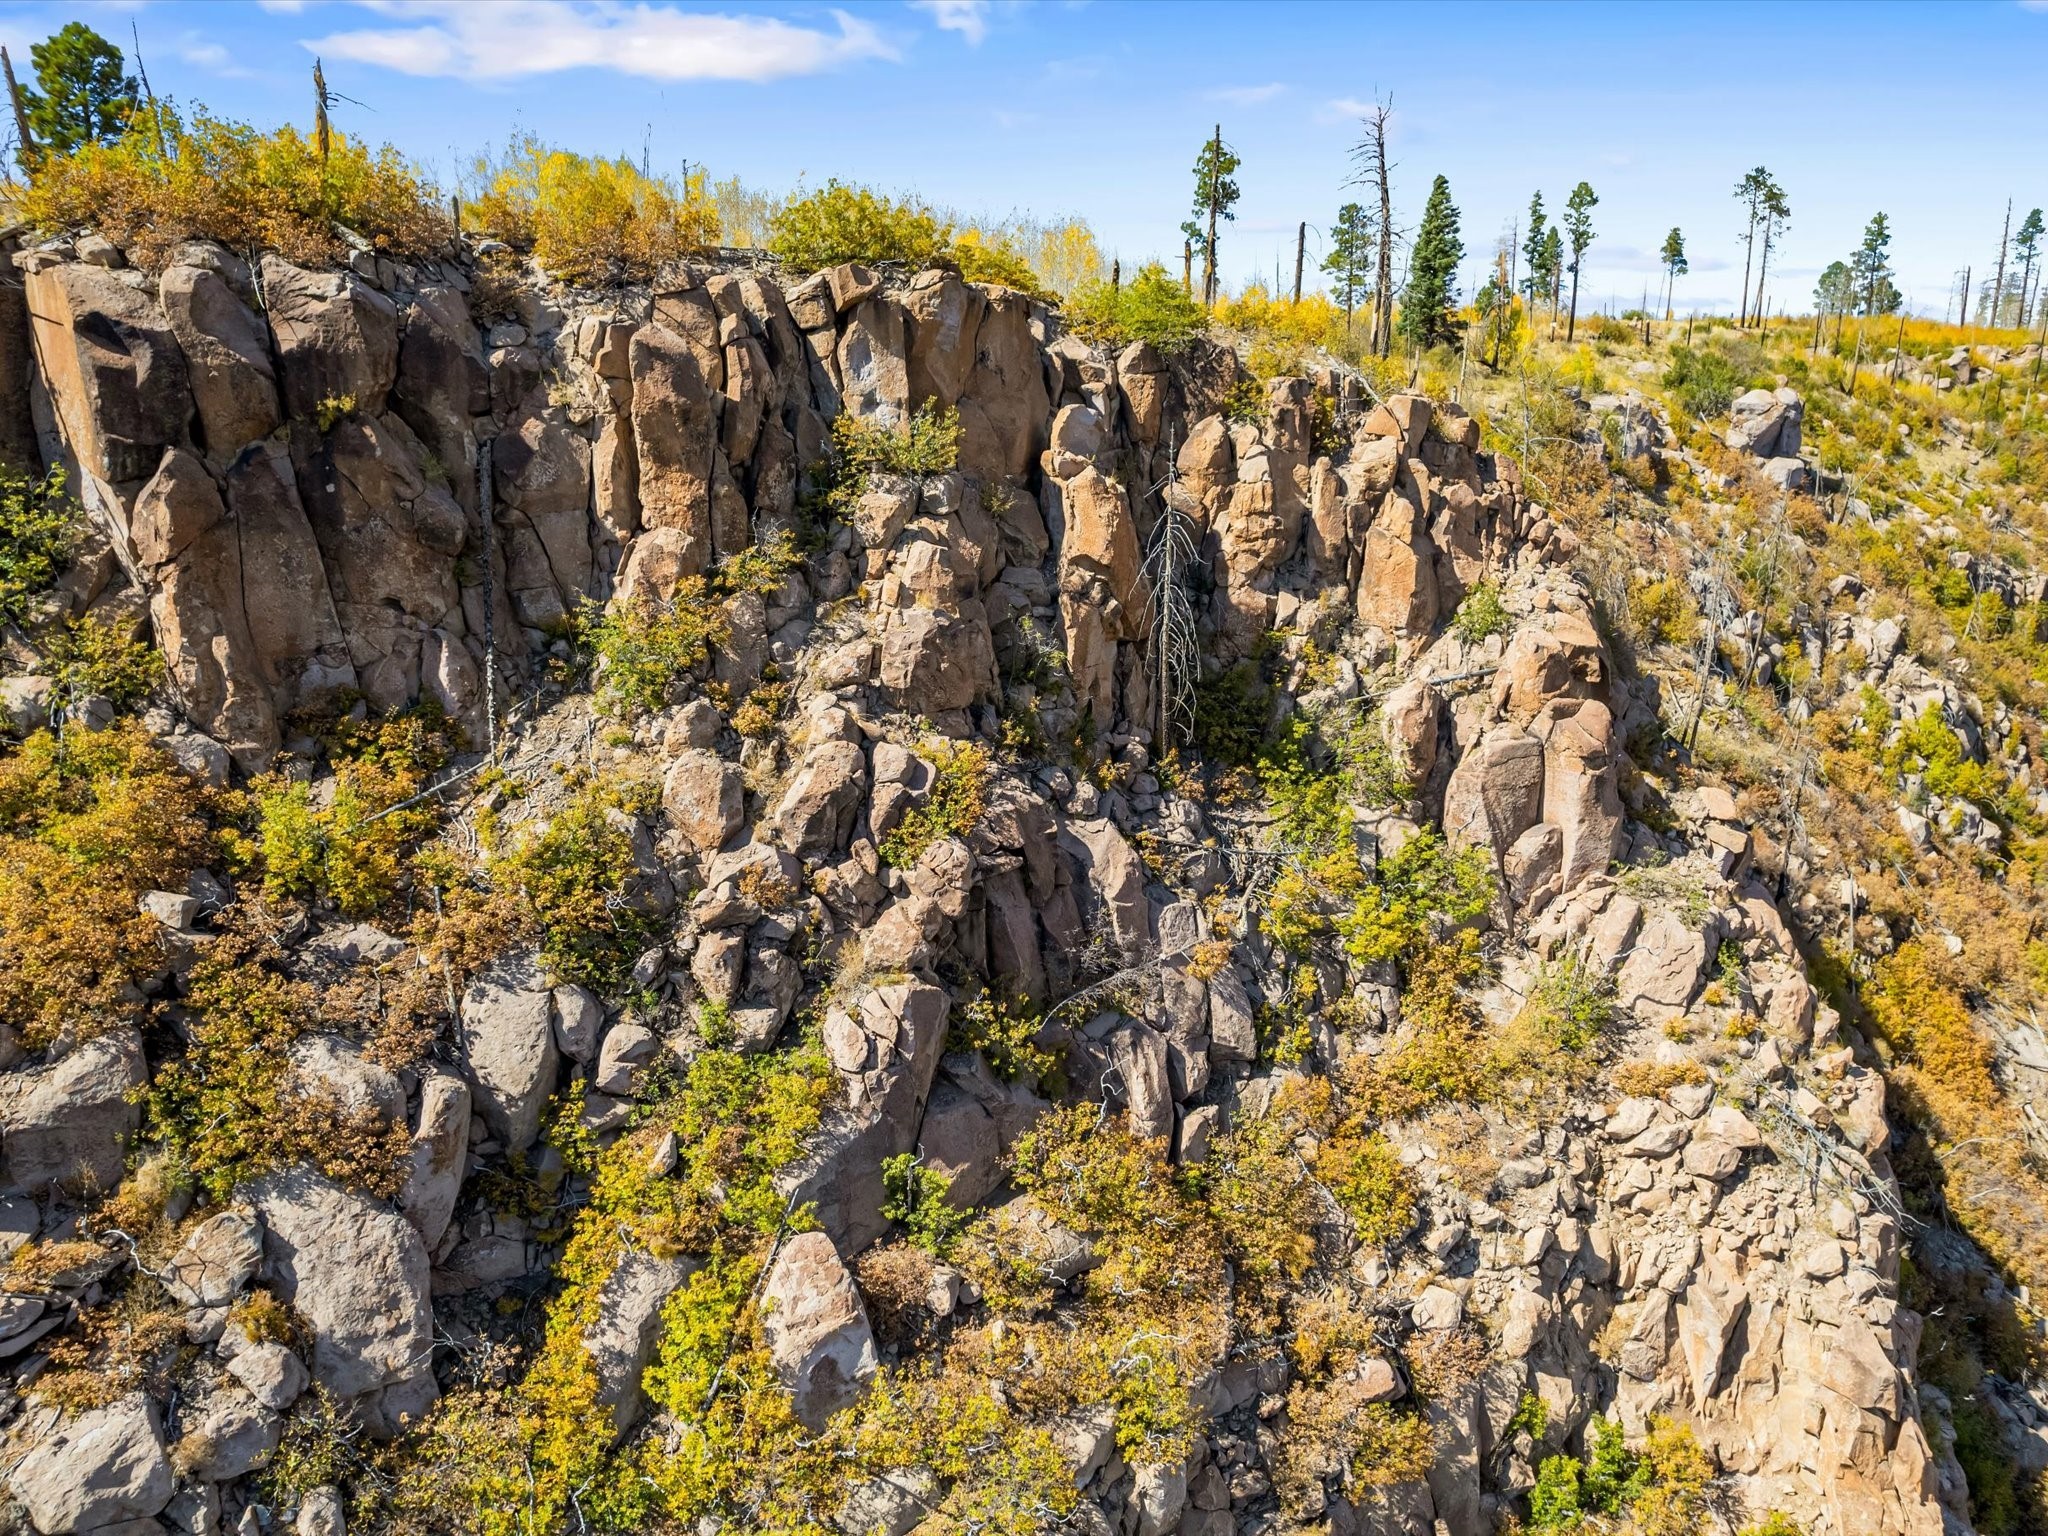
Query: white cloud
column 967, row 17
column 517, row 39
column 282, row 7
column 215, row 58
column 1347, row 107
column 1247, row 95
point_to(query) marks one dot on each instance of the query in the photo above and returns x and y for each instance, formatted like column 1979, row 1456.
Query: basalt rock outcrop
column 356, row 484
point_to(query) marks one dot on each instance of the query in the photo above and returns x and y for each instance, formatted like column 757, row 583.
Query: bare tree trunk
column 1377, row 175
column 1187, row 268
column 1748, row 255
column 1300, row 250
column 28, row 140
column 1209, row 250
column 1571, row 327
column 1763, row 268
column 320, row 100
column 1998, row 282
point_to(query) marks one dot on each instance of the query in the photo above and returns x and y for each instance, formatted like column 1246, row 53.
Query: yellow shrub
column 87, row 825
column 589, row 219
column 227, row 181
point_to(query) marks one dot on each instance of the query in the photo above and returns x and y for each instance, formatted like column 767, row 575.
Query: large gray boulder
column 508, row 1038
column 72, row 1119
column 816, row 1328
column 95, row 1469
column 357, row 1272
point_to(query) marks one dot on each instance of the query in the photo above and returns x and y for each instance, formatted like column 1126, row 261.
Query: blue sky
column 1932, row 113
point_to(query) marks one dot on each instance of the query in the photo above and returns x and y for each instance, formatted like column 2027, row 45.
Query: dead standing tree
column 1374, row 173
column 1176, row 644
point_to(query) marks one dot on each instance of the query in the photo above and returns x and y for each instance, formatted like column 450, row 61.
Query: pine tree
column 1835, row 294
column 1553, row 272
column 1871, row 269
column 1534, row 285
column 1578, row 226
column 2026, row 250
column 1776, row 212
column 1427, row 302
column 1750, row 192
column 85, row 98
column 1675, row 265
column 1351, row 257
column 1215, row 196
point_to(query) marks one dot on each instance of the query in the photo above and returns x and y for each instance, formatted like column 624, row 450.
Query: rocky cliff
column 1645, row 1177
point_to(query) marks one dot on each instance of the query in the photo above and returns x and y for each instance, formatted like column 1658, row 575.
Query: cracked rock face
column 295, row 492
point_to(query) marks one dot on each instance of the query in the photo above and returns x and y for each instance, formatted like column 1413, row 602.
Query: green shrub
column 353, row 849
column 1233, row 711
column 646, row 647
column 1481, row 615
column 951, row 808
column 575, row 879
column 39, row 524
column 99, row 658
column 916, row 1196
column 1007, row 1038
column 1150, row 307
column 87, row 825
column 1705, row 381
column 1364, row 1171
column 840, row 223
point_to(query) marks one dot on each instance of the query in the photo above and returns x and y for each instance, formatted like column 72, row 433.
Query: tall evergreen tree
column 1776, row 212
column 1871, row 269
column 85, row 96
column 2026, row 250
column 1533, row 284
column 1428, row 300
column 1215, row 198
column 1750, row 192
column 1834, row 296
column 1578, row 228
column 1553, row 273
column 1675, row 265
column 1351, row 257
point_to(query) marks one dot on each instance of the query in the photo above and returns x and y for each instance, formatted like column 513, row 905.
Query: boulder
column 937, row 659
column 216, row 1261
column 874, row 363
column 1110, row 878
column 115, row 373
column 227, row 1433
column 958, row 1140
column 1495, row 793
column 819, row 805
column 508, row 1041
column 816, row 1328
column 1662, row 971
column 337, row 339
column 1004, row 409
column 626, row 1326
column 674, row 433
column 227, row 350
column 1137, row 1054
column 440, row 1156
column 1397, row 581
column 95, row 1469
column 1410, row 718
column 271, row 1373
column 886, row 1045
column 705, row 798
column 71, row 1120
column 357, row 1273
